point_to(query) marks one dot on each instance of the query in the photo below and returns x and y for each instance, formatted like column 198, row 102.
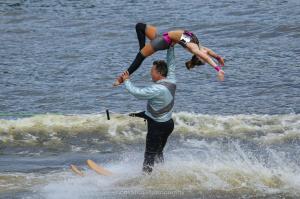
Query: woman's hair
column 161, row 67
column 195, row 61
column 195, row 40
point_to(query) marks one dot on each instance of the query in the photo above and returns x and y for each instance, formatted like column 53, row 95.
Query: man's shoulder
column 167, row 80
column 165, row 85
column 157, row 85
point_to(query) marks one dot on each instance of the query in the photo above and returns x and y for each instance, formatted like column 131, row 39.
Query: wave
column 199, row 167
column 50, row 132
column 235, row 174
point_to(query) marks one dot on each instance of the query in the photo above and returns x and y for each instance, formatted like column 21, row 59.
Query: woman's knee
column 141, row 27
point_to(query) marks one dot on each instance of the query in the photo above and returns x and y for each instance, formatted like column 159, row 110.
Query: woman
column 186, row 39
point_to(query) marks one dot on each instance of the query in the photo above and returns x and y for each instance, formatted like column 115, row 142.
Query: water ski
column 98, row 169
column 76, row 170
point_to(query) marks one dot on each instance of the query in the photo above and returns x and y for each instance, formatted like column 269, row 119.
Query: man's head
column 159, row 70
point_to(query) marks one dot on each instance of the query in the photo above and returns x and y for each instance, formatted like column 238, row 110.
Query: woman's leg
column 140, row 29
column 143, row 31
column 156, row 44
column 146, row 51
column 151, row 32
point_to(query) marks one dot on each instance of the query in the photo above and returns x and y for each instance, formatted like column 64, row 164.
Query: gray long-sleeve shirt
column 158, row 96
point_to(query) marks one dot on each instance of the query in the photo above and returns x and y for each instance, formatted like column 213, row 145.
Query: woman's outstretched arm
column 204, row 55
column 194, row 48
column 215, row 55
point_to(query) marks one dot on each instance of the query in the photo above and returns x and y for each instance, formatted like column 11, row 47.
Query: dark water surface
column 62, row 56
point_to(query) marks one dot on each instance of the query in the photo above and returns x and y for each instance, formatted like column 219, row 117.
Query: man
column 160, row 104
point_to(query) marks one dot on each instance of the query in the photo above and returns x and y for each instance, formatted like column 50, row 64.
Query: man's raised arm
column 171, row 65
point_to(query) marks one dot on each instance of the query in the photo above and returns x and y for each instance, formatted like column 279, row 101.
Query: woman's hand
column 221, row 75
column 220, row 60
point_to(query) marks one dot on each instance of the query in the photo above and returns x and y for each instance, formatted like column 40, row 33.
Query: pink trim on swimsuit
column 188, row 33
column 167, row 38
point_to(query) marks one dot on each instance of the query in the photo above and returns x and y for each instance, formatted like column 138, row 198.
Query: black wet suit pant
column 157, row 136
column 141, row 35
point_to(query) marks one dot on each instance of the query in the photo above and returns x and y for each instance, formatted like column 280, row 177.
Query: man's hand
column 118, row 81
column 125, row 75
column 121, row 78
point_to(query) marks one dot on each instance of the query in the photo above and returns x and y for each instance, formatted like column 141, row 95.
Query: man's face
column 155, row 74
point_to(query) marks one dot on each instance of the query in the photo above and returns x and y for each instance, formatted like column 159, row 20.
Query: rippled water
column 61, row 56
